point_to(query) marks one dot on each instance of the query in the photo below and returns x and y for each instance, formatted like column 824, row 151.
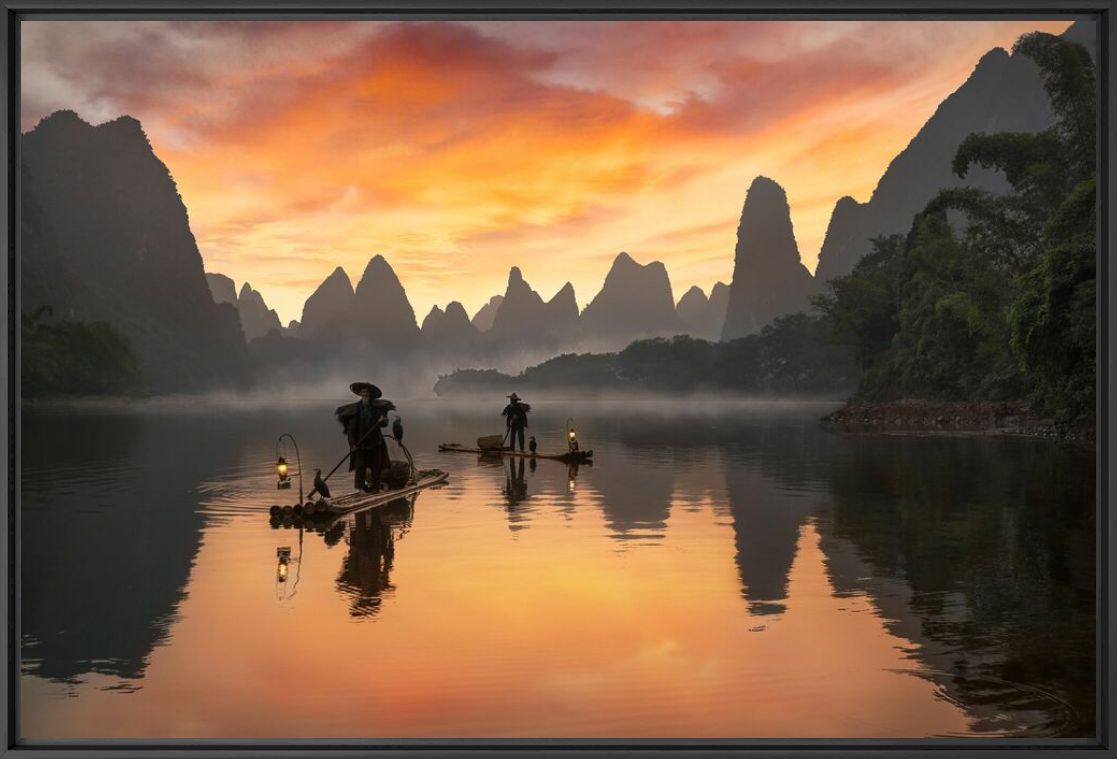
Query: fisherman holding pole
column 515, row 414
column 366, row 443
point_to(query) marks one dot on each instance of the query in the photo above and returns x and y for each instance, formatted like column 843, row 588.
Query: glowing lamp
column 571, row 439
column 281, row 469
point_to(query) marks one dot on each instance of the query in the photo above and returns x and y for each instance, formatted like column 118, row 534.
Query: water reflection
column 635, row 501
column 515, row 493
column 998, row 560
column 110, row 527
column 365, row 574
column 973, row 558
column 766, row 526
column 769, row 464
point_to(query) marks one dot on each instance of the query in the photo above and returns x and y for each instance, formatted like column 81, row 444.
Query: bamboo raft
column 357, row 500
column 570, row 457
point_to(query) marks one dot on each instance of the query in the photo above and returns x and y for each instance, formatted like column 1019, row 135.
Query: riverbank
column 1008, row 417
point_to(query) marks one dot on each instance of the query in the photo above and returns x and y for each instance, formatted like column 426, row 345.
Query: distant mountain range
column 105, row 237
column 635, row 301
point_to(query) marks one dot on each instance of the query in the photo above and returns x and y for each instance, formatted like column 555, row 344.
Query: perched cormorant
column 397, row 430
column 320, row 484
column 531, row 446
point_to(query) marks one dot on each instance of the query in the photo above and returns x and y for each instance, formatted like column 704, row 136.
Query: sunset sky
column 457, row 150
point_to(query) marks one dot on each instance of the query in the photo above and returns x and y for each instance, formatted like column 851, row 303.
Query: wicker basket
column 490, row 442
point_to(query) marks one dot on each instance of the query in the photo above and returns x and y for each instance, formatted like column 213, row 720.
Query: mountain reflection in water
column 726, row 571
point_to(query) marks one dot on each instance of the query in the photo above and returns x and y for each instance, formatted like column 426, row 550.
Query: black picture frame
column 1102, row 10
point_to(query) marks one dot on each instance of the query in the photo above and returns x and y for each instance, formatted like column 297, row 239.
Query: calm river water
column 722, row 570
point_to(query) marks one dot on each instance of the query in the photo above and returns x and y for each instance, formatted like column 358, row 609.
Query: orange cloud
column 459, row 150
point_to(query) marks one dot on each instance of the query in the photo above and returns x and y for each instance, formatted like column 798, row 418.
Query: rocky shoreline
column 1008, row 417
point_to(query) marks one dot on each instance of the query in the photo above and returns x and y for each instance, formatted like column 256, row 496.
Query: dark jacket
column 516, row 414
column 364, row 428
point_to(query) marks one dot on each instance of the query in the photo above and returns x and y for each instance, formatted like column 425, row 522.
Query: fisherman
column 366, row 443
column 515, row 414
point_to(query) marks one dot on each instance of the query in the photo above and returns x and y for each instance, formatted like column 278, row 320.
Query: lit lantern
column 283, row 555
column 571, row 439
column 281, row 464
column 281, row 469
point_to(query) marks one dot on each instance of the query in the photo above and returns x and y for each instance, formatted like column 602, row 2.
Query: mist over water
column 335, row 390
column 722, row 569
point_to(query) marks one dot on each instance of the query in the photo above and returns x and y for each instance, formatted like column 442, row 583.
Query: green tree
column 862, row 308
column 73, row 358
column 1007, row 306
column 1053, row 176
column 1053, row 319
column 676, row 364
column 952, row 340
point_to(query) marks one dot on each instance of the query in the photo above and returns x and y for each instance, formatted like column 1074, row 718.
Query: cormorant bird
column 531, row 446
column 320, row 484
column 397, row 430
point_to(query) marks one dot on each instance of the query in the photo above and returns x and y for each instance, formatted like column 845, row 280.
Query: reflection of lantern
column 281, row 469
column 283, row 554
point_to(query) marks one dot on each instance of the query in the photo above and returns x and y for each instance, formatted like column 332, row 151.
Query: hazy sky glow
column 458, row 150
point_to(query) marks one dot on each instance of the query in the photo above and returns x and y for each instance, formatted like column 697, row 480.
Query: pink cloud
column 475, row 144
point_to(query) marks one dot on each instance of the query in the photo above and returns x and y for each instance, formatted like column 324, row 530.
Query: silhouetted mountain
column 326, row 310
column 455, row 323
column 449, row 329
column 222, row 288
column 717, row 307
column 769, row 280
column 293, row 328
column 562, row 312
column 634, row 302
column 38, row 257
column 703, row 317
column 691, row 308
column 106, row 238
column 1003, row 94
column 483, row 319
column 256, row 319
column 381, row 312
column 522, row 313
column 433, row 317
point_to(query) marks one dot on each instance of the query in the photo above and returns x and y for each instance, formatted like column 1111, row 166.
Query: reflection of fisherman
column 515, row 414
column 365, row 573
column 515, row 486
column 366, row 442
